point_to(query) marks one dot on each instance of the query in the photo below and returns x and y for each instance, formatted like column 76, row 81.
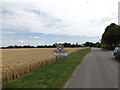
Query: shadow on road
column 101, row 49
column 115, row 60
column 105, row 49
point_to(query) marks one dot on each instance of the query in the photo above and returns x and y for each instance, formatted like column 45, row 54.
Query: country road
column 98, row 69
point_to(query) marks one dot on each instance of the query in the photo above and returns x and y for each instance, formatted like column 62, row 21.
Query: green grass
column 53, row 75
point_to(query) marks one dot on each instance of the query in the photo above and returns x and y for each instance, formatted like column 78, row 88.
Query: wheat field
column 16, row 62
column 0, row 69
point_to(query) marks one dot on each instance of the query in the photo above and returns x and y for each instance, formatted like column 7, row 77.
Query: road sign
column 60, row 51
column 60, row 47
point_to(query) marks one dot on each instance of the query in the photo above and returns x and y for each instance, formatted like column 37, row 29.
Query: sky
column 40, row 22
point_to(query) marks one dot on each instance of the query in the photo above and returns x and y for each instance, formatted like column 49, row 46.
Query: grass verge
column 53, row 75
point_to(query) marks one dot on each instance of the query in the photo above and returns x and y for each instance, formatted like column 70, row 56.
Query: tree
column 98, row 45
column 111, row 36
column 89, row 44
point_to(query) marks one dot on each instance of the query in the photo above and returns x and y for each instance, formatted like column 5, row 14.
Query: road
column 98, row 69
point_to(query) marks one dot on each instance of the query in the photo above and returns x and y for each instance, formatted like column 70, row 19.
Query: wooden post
column 56, row 58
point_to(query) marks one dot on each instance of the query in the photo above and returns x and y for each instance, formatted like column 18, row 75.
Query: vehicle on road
column 117, row 53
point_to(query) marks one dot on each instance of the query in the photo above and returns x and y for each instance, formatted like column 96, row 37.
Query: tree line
column 86, row 44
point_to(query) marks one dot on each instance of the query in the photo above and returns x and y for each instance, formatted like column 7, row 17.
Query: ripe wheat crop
column 16, row 62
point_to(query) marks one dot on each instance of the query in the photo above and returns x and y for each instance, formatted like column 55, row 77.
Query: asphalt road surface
column 98, row 69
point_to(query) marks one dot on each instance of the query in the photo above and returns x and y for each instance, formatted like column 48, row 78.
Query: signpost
column 60, row 51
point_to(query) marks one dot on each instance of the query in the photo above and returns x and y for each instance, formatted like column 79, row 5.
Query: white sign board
column 60, row 51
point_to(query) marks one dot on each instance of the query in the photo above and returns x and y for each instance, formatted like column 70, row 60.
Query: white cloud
column 24, row 42
column 7, row 32
column 35, row 37
column 21, row 41
column 70, row 17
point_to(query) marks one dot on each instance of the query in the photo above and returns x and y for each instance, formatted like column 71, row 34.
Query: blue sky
column 42, row 39
column 39, row 22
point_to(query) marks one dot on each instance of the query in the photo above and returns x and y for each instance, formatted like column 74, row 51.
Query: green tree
column 111, row 36
column 98, row 45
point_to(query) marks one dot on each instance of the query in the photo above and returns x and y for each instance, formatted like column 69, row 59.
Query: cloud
column 7, row 32
column 21, row 41
column 35, row 37
column 119, row 13
column 113, row 17
column 29, row 20
column 30, row 39
column 56, row 17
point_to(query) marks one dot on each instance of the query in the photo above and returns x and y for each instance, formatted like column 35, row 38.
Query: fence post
column 56, row 58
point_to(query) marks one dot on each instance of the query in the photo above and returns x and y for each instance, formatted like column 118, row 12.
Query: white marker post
column 60, row 51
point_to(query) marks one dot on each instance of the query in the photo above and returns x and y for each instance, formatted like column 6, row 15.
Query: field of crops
column 0, row 69
column 17, row 62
